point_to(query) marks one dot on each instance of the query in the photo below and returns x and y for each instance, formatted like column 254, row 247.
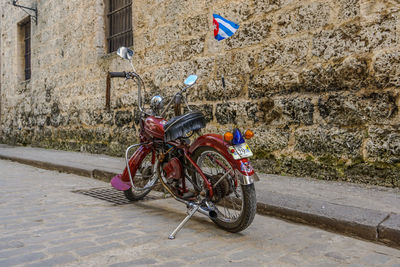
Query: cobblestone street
column 44, row 223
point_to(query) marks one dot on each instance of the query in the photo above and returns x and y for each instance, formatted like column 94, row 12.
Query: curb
column 389, row 230
column 364, row 223
column 50, row 166
column 348, row 220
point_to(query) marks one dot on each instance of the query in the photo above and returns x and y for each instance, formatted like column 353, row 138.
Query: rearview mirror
column 125, row 53
column 190, row 80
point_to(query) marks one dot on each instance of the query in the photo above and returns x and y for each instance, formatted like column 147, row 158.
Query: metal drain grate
column 111, row 195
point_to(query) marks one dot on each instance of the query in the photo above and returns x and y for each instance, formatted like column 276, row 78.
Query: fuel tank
column 154, row 127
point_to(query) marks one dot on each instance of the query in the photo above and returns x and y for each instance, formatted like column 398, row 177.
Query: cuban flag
column 223, row 28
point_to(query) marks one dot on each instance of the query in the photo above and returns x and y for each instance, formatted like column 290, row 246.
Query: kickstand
column 191, row 212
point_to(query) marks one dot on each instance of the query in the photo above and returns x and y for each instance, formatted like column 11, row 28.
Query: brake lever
column 127, row 76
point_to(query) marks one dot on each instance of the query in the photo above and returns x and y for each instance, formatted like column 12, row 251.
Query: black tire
column 248, row 198
column 142, row 178
column 247, row 217
column 134, row 196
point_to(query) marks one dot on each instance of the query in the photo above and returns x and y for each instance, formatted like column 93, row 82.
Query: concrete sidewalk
column 368, row 212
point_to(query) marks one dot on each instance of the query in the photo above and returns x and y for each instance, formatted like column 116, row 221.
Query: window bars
column 26, row 27
column 119, row 24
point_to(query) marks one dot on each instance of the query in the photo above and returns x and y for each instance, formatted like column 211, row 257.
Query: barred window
column 119, row 24
column 26, row 30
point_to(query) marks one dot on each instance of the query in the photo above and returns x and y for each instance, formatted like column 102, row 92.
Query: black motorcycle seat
column 179, row 126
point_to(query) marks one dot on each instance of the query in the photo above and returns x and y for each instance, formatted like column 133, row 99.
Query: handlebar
column 133, row 76
column 117, row 74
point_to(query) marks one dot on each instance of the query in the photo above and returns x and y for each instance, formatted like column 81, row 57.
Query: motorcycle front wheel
column 235, row 204
column 144, row 177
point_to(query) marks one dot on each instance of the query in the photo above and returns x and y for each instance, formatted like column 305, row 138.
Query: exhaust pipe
column 208, row 211
column 213, row 214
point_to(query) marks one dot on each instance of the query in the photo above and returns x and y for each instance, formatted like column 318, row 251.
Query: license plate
column 240, row 151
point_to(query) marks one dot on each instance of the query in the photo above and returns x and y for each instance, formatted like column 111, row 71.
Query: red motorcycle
column 211, row 174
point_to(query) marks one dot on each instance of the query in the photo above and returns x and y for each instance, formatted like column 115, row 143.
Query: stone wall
column 318, row 81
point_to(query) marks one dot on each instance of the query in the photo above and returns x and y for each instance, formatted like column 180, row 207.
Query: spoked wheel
column 235, row 204
column 143, row 178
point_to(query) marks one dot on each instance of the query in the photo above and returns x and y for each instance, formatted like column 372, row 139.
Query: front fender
column 122, row 181
column 217, row 142
column 135, row 161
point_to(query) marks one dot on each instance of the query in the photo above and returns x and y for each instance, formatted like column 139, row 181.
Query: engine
column 173, row 169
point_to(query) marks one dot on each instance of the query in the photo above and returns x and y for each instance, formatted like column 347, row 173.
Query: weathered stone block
column 339, row 110
column 383, row 144
column 353, row 38
column 233, row 87
column 351, row 74
column 264, row 111
column 339, row 42
column 349, row 9
column 123, row 118
column 329, row 141
column 348, row 110
column 369, row 173
column 166, row 74
column 140, row 21
column 199, row 22
column 396, row 180
column 166, row 34
column 127, row 100
column 272, row 83
column 152, row 19
column 387, row 69
column 158, row 57
column 226, row 113
column 175, row 51
column 265, row 6
column 173, row 9
column 192, row 48
column 266, row 165
column 240, row 11
column 298, row 110
column 304, row 18
column 126, row 135
column 381, row 33
column 372, row 9
column 291, row 52
column 250, row 33
column 268, row 139
column 307, row 168
column 236, row 63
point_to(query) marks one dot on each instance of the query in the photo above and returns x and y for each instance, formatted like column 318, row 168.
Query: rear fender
column 244, row 169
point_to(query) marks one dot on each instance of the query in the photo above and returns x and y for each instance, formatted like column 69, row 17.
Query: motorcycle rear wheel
column 236, row 210
column 144, row 177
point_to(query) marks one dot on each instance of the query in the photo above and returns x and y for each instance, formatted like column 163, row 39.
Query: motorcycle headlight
column 156, row 103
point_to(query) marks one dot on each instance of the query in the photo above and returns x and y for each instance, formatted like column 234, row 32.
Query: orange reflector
column 248, row 134
column 228, row 136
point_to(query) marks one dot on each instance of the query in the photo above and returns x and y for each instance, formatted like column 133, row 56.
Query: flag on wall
column 223, row 28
